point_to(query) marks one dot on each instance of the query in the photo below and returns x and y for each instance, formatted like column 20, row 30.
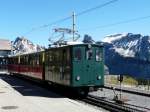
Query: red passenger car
column 27, row 64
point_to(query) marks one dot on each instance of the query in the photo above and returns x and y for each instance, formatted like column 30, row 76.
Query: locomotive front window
column 89, row 54
column 98, row 55
column 77, row 54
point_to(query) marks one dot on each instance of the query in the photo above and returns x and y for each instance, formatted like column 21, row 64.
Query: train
column 79, row 66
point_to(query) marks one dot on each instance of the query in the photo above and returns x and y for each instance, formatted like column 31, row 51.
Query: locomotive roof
column 85, row 44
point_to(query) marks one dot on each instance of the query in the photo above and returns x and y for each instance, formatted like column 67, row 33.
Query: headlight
column 78, row 78
column 99, row 77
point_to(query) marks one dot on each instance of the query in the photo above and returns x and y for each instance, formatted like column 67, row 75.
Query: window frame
column 99, row 55
column 77, row 56
column 88, row 51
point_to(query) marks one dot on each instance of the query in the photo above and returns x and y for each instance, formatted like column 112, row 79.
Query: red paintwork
column 13, row 68
column 31, row 71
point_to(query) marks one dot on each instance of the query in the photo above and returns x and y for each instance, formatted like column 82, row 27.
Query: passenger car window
column 77, row 54
column 98, row 55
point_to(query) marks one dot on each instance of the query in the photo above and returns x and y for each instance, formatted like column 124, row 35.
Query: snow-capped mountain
column 130, row 45
column 23, row 45
column 128, row 54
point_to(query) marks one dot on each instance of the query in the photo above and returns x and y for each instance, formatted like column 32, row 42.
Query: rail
column 113, row 106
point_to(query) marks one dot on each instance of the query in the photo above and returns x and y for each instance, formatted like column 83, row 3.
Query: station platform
column 17, row 95
column 11, row 100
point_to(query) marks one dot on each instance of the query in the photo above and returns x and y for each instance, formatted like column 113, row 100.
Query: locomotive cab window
column 98, row 55
column 89, row 54
column 77, row 54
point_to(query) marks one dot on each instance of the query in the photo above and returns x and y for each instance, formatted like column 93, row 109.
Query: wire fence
column 129, row 82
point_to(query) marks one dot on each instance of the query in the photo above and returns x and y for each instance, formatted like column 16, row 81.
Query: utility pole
column 73, row 25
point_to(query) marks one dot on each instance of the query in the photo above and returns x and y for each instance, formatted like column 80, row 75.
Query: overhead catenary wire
column 47, row 25
column 97, row 7
column 117, row 23
column 69, row 17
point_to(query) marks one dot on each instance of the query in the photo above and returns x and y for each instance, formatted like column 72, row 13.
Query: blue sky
column 19, row 16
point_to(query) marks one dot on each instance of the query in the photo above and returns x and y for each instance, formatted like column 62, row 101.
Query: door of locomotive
column 89, row 70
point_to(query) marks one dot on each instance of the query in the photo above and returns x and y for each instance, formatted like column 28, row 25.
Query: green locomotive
column 77, row 66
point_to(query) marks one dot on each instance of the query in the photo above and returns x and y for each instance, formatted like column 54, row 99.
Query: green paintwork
column 88, row 70
column 62, row 66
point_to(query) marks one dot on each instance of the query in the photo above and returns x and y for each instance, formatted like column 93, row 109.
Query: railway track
column 129, row 91
column 113, row 106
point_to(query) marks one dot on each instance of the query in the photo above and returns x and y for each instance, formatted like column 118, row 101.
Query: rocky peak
column 23, row 45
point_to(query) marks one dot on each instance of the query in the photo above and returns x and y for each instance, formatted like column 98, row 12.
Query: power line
column 97, row 7
column 118, row 23
column 47, row 25
column 69, row 17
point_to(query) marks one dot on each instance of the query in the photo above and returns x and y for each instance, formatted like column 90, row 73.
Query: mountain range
column 128, row 54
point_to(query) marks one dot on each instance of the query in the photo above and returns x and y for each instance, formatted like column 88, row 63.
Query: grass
column 130, row 81
column 127, row 80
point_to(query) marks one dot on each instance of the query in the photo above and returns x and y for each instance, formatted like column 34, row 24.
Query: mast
column 73, row 25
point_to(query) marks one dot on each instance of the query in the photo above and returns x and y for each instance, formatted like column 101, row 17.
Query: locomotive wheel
column 82, row 92
column 11, row 73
